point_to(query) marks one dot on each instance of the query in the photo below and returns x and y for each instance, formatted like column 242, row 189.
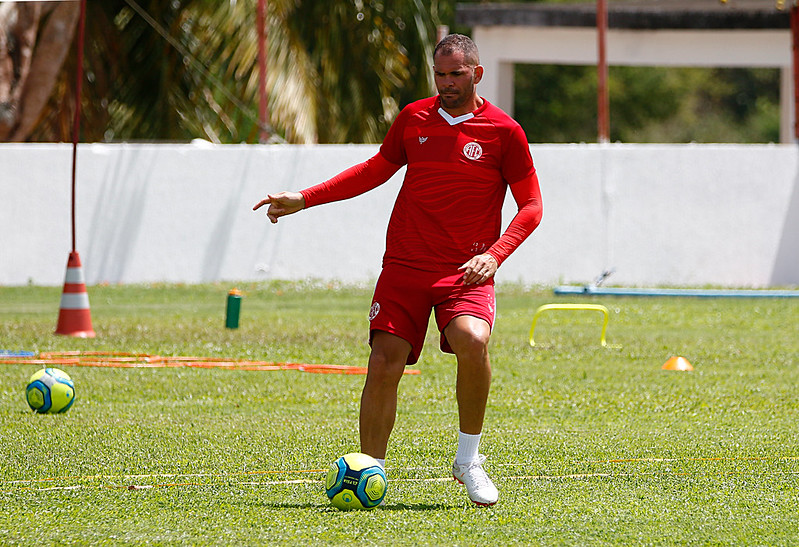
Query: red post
column 603, row 100
column 76, row 120
column 74, row 316
column 263, row 107
column 795, row 44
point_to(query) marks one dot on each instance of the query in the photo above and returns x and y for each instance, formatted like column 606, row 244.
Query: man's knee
column 388, row 358
column 468, row 335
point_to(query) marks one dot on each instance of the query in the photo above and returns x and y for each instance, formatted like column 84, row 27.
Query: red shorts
column 404, row 298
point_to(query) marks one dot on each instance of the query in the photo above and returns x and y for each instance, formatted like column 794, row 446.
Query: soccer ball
column 50, row 391
column 356, row 481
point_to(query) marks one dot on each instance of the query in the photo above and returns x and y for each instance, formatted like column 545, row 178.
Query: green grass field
column 587, row 445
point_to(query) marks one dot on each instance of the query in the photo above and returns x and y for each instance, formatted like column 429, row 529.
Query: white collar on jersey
column 453, row 120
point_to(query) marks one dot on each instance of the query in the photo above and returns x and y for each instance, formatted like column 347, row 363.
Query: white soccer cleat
column 478, row 485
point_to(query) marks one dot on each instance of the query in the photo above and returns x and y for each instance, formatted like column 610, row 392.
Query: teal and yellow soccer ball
column 50, row 391
column 356, row 481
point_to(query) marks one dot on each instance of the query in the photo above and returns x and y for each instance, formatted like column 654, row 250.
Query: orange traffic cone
column 677, row 363
column 75, row 318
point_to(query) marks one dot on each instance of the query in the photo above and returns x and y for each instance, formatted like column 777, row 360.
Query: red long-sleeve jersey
column 458, row 170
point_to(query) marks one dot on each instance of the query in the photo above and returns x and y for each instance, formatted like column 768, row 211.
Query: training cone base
column 677, row 363
column 74, row 316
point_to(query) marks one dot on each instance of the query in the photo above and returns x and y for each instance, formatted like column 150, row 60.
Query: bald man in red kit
column 443, row 245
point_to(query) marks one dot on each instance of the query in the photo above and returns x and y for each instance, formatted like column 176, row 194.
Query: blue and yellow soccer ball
column 356, row 481
column 50, row 391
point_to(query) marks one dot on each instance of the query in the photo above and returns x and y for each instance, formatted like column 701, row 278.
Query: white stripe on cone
column 75, row 301
column 74, row 275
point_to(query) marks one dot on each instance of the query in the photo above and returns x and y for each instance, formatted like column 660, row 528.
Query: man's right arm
column 351, row 182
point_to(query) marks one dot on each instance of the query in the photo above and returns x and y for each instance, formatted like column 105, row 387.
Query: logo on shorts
column 374, row 311
column 473, row 151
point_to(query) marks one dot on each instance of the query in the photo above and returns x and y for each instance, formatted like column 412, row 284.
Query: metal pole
column 603, row 100
column 263, row 107
column 76, row 121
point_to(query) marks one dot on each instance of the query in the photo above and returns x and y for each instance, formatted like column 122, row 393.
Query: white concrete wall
column 692, row 215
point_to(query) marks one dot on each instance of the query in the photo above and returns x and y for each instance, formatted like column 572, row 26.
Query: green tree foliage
column 337, row 71
column 340, row 70
column 557, row 103
column 368, row 57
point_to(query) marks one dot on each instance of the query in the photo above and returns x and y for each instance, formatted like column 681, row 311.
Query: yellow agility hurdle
column 590, row 307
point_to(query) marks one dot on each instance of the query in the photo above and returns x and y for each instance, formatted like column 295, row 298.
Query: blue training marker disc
column 12, row 353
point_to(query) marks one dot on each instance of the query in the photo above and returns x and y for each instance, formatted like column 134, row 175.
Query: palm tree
column 337, row 70
column 367, row 59
column 32, row 52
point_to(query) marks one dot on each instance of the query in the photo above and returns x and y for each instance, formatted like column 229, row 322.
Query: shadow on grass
column 392, row 507
column 418, row 507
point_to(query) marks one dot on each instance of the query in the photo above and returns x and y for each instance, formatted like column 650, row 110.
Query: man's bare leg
column 468, row 336
column 379, row 398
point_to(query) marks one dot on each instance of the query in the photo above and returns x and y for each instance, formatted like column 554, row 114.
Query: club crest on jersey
column 374, row 311
column 422, row 140
column 473, row 151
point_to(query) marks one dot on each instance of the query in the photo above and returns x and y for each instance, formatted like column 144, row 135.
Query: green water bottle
column 233, row 309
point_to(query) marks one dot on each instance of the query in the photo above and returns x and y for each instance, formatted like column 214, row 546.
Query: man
column 443, row 245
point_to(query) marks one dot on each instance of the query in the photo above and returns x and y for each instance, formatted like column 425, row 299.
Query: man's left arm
column 527, row 194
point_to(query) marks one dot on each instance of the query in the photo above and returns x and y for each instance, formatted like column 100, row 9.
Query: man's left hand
column 479, row 269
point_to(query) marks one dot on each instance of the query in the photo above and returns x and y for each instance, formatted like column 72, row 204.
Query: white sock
column 468, row 446
column 382, row 462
